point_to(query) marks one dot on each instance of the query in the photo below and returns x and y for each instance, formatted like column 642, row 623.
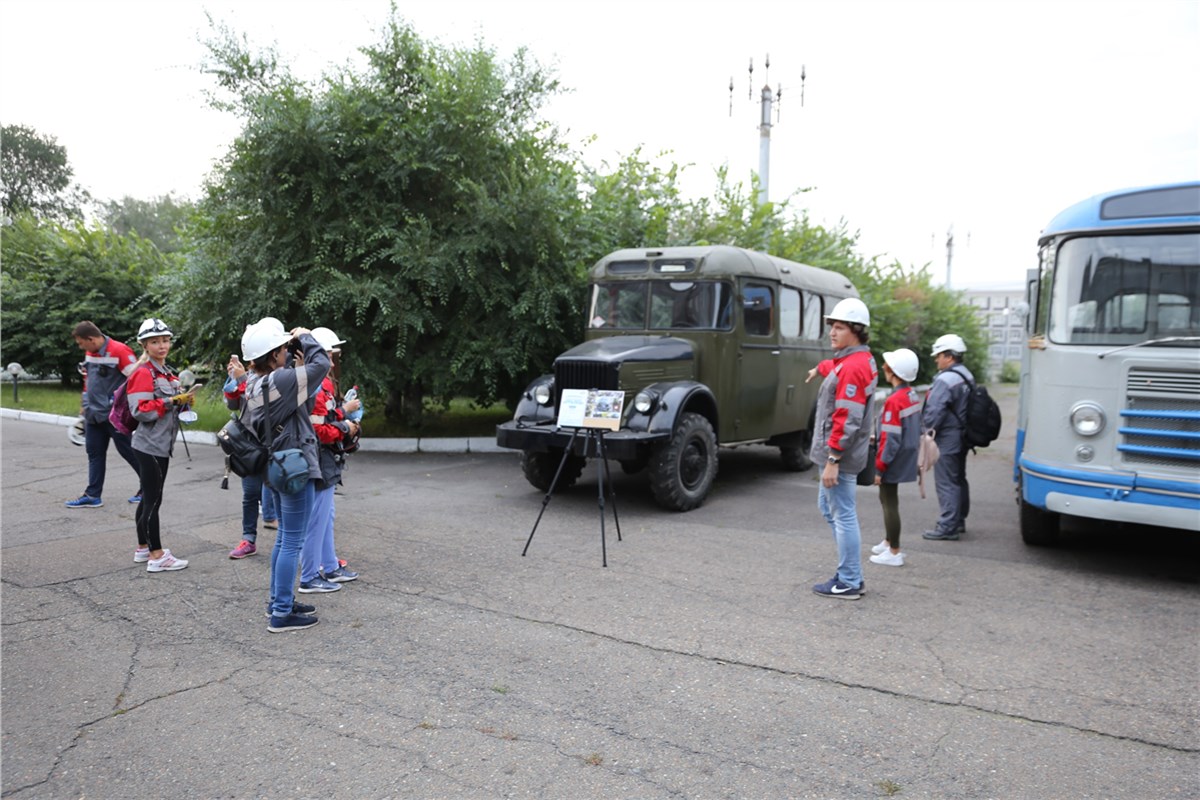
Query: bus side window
column 789, row 312
column 813, row 314
column 756, row 309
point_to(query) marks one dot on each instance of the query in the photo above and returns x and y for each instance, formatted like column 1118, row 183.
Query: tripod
column 594, row 441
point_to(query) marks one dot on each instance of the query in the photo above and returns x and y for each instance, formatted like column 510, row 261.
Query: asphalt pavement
column 697, row 664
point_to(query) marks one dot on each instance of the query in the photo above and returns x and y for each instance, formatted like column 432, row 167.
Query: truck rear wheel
column 682, row 470
column 1038, row 528
column 539, row 469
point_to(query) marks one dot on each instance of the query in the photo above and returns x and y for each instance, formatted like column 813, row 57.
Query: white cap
column 327, row 339
column 949, row 341
column 850, row 310
column 262, row 337
column 903, row 362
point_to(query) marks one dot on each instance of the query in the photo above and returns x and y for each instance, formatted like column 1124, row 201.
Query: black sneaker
column 292, row 622
column 940, row 537
column 297, row 608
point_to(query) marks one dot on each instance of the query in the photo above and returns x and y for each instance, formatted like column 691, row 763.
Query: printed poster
column 591, row 408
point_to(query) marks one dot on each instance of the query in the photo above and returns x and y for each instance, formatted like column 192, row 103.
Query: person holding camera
column 255, row 492
column 290, row 391
column 155, row 400
column 320, row 568
column 107, row 363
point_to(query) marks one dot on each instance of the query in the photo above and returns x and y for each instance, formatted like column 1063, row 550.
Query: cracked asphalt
column 698, row 664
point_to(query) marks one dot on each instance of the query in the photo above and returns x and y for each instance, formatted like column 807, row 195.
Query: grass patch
column 463, row 418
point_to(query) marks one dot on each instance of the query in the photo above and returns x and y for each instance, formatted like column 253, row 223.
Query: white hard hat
column 262, row 337
column 151, row 328
column 850, row 309
column 949, row 341
column 903, row 362
column 75, row 432
column 327, row 339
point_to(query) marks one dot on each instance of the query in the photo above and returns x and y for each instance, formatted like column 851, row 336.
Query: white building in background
column 1000, row 309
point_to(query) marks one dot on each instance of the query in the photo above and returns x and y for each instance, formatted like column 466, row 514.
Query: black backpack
column 982, row 423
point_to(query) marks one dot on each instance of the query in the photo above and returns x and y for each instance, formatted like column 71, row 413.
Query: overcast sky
column 987, row 117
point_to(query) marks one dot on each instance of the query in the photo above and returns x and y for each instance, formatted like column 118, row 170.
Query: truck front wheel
column 539, row 469
column 682, row 470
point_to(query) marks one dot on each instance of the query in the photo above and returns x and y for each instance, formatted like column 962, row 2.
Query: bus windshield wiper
column 1152, row 341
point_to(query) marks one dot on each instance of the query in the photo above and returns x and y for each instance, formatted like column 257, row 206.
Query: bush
column 1010, row 372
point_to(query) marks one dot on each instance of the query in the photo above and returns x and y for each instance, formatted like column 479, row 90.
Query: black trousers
column 153, row 470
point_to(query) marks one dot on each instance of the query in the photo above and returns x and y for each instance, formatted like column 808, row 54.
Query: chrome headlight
column 542, row 394
column 644, row 402
column 1087, row 419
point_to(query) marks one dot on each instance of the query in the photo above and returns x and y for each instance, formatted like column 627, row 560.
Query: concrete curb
column 474, row 444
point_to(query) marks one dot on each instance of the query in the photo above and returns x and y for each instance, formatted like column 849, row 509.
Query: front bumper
column 620, row 445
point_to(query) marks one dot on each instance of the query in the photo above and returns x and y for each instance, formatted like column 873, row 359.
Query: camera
column 294, row 347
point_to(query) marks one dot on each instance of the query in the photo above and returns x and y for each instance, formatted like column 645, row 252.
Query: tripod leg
column 600, row 489
column 550, row 491
column 612, row 489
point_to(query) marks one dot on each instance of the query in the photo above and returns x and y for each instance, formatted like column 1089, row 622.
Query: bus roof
column 723, row 261
column 1166, row 205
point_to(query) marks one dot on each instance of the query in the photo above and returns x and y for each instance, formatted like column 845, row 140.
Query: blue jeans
column 96, row 436
column 285, row 556
column 318, row 554
column 254, row 491
column 838, row 507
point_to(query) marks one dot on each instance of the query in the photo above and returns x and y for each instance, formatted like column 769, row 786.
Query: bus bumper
column 1121, row 497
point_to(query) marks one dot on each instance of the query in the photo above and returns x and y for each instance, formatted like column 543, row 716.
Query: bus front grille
column 1160, row 424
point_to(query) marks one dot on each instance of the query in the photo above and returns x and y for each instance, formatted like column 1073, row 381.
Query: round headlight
column 643, row 402
column 541, row 393
column 1087, row 419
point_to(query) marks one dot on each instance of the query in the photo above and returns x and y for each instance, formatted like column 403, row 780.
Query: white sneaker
column 141, row 555
column 881, row 547
column 167, row 563
column 889, row 559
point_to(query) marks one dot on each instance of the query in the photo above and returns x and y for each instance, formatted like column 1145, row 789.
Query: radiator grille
column 585, row 375
column 1160, row 424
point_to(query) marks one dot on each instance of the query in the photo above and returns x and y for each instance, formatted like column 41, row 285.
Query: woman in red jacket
column 155, row 400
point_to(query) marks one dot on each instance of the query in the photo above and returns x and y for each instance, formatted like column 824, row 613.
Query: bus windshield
column 662, row 305
column 1118, row 290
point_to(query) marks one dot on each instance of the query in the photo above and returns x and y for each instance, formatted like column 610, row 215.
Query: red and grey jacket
column 329, row 423
column 845, row 405
column 899, row 436
column 103, row 372
column 149, row 391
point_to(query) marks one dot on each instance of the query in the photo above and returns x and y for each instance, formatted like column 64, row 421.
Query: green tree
column 55, row 275
column 37, row 176
column 420, row 203
column 160, row 220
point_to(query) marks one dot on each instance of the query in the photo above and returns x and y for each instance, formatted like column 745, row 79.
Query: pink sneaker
column 244, row 548
column 168, row 563
column 141, row 555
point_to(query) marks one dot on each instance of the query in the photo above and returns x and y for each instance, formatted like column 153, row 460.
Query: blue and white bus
column 1108, row 424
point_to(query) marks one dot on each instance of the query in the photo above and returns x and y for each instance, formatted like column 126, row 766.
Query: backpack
column 119, row 415
column 982, row 423
column 246, row 454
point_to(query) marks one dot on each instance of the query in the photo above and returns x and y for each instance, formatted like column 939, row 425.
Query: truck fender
column 671, row 400
column 529, row 411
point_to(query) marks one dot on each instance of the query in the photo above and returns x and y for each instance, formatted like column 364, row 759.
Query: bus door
column 758, row 363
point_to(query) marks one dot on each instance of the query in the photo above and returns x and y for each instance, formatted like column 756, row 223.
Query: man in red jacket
column 106, row 365
column 845, row 411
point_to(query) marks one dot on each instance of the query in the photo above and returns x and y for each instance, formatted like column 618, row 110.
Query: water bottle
column 356, row 415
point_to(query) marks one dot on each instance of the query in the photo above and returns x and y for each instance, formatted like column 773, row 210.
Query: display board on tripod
column 591, row 408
